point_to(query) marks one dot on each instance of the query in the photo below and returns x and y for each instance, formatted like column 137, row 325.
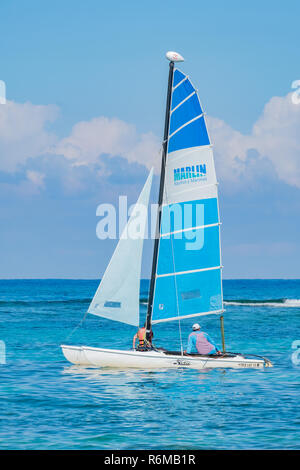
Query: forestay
column 188, row 276
column 117, row 296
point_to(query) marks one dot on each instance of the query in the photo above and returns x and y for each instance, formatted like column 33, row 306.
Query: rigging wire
column 78, row 326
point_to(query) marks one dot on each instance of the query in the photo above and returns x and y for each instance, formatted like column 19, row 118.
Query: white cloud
column 23, row 132
column 275, row 136
column 36, row 178
column 113, row 137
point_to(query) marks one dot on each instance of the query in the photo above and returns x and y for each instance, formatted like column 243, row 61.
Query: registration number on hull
column 254, row 365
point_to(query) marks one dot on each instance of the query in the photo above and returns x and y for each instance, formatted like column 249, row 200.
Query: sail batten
column 188, row 279
column 182, row 230
column 182, row 102
column 180, row 273
column 202, row 314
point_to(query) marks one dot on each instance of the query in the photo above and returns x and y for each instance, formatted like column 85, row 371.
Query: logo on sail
column 190, row 174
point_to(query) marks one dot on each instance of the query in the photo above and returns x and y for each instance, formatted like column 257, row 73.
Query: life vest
column 141, row 334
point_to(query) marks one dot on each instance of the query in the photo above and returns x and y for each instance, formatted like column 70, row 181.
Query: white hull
column 98, row 357
column 75, row 355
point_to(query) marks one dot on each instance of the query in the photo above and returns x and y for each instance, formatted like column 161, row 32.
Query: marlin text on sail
column 190, row 173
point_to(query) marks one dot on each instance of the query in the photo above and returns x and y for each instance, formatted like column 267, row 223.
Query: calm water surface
column 46, row 403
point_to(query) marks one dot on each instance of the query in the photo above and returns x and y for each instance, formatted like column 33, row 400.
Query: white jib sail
column 117, row 297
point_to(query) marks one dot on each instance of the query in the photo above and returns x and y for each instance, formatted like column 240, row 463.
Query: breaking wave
column 144, row 301
column 264, row 303
column 28, row 303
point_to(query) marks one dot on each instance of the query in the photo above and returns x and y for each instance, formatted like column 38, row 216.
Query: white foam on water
column 294, row 303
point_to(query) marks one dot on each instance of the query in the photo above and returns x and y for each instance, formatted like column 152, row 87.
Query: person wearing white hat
column 200, row 343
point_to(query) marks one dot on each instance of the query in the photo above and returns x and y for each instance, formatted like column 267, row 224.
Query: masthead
column 174, row 57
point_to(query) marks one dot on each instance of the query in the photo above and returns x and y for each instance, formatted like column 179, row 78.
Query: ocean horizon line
column 143, row 279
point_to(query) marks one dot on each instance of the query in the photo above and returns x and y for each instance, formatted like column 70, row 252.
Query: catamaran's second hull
column 75, row 355
column 98, row 357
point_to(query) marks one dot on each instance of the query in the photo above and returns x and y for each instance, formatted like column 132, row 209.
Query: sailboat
column 186, row 277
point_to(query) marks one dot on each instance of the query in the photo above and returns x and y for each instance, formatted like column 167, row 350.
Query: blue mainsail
column 188, row 278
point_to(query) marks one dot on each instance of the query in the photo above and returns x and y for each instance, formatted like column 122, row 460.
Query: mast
column 172, row 57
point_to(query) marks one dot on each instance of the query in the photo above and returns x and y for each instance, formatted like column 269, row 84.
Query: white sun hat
column 196, row 326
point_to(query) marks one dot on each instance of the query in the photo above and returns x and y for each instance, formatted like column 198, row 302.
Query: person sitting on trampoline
column 200, row 343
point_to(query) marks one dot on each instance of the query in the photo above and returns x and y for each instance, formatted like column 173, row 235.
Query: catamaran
column 186, row 280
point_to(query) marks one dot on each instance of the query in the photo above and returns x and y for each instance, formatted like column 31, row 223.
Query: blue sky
column 86, row 85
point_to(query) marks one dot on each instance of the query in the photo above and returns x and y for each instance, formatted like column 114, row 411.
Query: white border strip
column 189, row 272
column 190, row 228
column 214, row 312
column 204, row 186
column 189, row 150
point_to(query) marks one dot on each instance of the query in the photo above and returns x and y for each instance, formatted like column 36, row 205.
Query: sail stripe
column 188, row 272
column 178, row 84
column 177, row 155
column 214, row 312
column 178, row 76
column 193, row 134
column 189, row 214
column 181, row 92
column 186, row 99
column 185, row 124
column 185, row 113
column 189, row 294
column 191, row 250
column 203, row 187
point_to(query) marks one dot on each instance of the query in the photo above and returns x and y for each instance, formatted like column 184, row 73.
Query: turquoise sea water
column 46, row 403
